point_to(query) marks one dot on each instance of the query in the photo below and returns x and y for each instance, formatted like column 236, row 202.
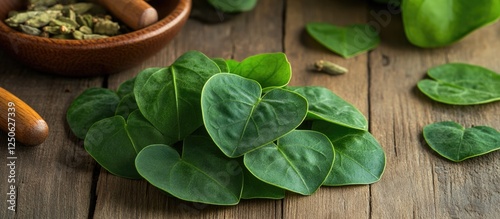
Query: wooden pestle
column 136, row 14
column 20, row 122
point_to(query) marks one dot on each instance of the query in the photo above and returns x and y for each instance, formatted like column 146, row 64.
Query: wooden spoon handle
column 136, row 14
column 20, row 122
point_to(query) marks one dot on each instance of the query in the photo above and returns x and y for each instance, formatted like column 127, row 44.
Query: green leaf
column 430, row 23
column 271, row 70
column 126, row 88
column 200, row 175
column 254, row 188
column 327, row 106
column 299, row 162
column 222, row 64
column 108, row 143
column 233, row 6
column 142, row 132
column 170, row 97
column 89, row 107
column 114, row 143
column 359, row 158
column 461, row 84
column 231, row 65
column 346, row 41
column 126, row 106
column 239, row 120
column 456, row 143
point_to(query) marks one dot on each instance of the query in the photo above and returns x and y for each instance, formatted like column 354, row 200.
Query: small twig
column 329, row 67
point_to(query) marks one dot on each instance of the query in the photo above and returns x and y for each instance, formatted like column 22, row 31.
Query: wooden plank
column 303, row 51
column 53, row 180
column 247, row 34
column 417, row 182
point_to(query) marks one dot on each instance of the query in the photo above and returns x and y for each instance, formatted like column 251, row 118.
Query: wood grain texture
column 58, row 179
column 54, row 179
column 418, row 183
column 303, row 51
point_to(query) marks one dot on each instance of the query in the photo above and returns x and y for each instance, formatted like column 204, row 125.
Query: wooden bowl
column 98, row 56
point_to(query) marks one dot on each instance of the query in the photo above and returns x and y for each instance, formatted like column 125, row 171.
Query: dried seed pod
column 106, row 27
column 69, row 13
column 85, row 30
column 52, row 29
column 54, row 14
column 81, row 7
column 38, row 21
column 30, row 30
column 21, row 17
column 61, row 18
column 56, row 7
column 85, row 20
column 78, row 35
column 329, row 67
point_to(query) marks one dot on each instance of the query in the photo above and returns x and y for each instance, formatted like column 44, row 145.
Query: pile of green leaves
column 216, row 131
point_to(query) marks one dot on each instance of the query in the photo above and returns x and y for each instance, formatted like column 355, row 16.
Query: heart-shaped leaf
column 126, row 88
column 89, row 107
column 239, row 120
column 170, row 97
column 327, row 106
column 430, row 23
column 126, row 106
column 255, row 188
column 359, row 158
column 200, row 175
column 114, row 143
column 299, row 162
column 456, row 143
column 346, row 41
column 271, row 70
column 461, row 84
column 109, row 144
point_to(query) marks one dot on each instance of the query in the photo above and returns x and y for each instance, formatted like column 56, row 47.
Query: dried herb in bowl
column 65, row 19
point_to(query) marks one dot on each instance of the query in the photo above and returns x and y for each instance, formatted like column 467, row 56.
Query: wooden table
column 58, row 179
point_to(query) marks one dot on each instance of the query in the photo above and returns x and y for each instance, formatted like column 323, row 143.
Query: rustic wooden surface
column 59, row 180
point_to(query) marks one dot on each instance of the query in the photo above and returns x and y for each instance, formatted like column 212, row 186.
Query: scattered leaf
column 346, row 41
column 456, row 143
column 461, row 84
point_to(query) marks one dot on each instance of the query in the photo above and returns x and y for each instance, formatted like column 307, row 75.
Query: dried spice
column 65, row 19
column 329, row 67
